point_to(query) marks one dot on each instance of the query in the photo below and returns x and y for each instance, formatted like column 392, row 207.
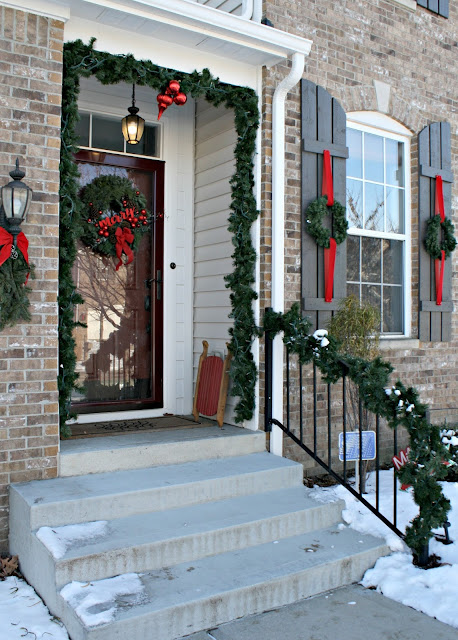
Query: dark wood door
column 120, row 351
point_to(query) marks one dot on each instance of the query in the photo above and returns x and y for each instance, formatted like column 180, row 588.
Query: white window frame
column 381, row 125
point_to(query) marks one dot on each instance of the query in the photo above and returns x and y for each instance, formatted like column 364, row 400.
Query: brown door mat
column 115, row 427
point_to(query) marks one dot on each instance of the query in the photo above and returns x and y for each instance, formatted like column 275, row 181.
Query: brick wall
column 354, row 43
column 30, row 96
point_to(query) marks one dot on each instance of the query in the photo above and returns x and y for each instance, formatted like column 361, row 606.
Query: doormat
column 113, row 428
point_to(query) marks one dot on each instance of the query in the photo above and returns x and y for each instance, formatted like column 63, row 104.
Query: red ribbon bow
column 327, row 189
column 439, row 264
column 6, row 239
column 123, row 236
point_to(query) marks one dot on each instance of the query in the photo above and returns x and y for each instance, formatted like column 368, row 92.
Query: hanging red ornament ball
column 90, row 204
column 138, row 193
column 100, row 232
column 164, row 100
column 174, row 86
column 180, row 99
column 106, row 234
column 135, row 219
column 144, row 223
column 143, row 211
column 98, row 240
column 89, row 220
column 100, row 212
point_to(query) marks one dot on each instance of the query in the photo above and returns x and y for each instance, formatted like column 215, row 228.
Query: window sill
column 410, row 5
column 399, row 344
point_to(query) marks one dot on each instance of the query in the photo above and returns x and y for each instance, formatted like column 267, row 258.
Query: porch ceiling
column 192, row 24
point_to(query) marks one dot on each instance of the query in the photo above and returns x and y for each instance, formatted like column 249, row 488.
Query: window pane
column 392, row 261
column 373, row 157
column 394, row 162
column 371, row 294
column 353, row 290
column 148, row 145
column 371, row 267
column 106, row 133
column 355, row 203
column 374, row 207
column 355, row 158
column 82, row 130
column 353, row 258
column 394, row 210
column 392, row 310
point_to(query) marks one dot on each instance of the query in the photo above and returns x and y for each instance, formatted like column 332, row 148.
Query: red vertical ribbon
column 329, row 264
column 327, row 188
column 439, row 209
column 439, row 265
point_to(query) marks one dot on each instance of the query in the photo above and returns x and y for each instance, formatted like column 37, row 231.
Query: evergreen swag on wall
column 82, row 60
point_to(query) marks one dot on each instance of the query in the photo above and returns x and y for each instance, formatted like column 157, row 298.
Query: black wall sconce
column 15, row 198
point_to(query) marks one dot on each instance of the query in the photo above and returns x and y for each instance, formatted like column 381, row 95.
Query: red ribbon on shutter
column 6, row 239
column 329, row 264
column 439, row 263
column 439, row 209
column 327, row 188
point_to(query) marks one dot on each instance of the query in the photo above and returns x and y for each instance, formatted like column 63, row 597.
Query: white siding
column 215, row 138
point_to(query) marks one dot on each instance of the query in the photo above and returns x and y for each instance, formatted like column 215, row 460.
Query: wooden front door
column 120, row 351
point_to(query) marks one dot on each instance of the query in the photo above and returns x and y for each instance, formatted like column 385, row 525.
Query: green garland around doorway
column 82, row 60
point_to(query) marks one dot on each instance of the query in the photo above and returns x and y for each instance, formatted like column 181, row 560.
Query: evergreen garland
column 436, row 227
column 14, row 294
column 83, row 60
column 314, row 215
column 400, row 406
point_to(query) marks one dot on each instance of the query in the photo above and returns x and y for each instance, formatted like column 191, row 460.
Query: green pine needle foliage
column 82, row 60
column 14, row 293
column 400, row 406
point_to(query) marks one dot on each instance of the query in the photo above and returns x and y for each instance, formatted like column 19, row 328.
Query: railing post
column 268, row 381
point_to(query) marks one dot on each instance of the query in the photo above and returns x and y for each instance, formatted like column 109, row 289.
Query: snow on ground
column 432, row 591
column 23, row 615
column 58, row 539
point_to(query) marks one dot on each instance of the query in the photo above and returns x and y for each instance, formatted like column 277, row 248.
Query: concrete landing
column 349, row 613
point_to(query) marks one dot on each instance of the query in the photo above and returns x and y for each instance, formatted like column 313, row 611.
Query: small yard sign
column 352, row 442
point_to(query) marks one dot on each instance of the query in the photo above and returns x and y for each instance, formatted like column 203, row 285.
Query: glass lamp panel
column 353, row 259
column 394, row 159
column 394, row 210
column 392, row 310
column 392, row 261
column 374, row 213
column 371, row 263
column 15, row 201
column 355, row 203
column 355, row 158
column 373, row 157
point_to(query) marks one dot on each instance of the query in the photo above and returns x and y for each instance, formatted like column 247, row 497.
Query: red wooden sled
column 211, row 385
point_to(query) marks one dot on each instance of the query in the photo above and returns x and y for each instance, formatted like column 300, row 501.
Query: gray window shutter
column 434, row 153
column 323, row 127
column 436, row 6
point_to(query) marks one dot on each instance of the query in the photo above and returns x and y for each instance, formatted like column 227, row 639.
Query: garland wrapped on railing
column 400, row 406
column 83, row 60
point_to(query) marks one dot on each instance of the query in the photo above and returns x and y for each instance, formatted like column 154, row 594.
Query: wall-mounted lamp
column 133, row 125
column 15, row 200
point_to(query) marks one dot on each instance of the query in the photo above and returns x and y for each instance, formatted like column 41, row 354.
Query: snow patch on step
column 58, row 539
column 95, row 603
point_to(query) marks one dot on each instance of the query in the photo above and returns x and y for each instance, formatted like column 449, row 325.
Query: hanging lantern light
column 15, row 199
column 133, row 125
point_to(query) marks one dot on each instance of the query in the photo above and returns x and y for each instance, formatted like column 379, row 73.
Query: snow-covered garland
column 400, row 406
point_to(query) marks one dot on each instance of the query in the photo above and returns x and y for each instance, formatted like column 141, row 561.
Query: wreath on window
column 436, row 228
column 314, row 220
column 113, row 216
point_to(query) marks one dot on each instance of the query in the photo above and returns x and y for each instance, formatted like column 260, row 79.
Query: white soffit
column 191, row 24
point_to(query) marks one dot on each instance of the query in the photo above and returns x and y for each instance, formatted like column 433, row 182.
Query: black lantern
column 133, row 125
column 15, row 199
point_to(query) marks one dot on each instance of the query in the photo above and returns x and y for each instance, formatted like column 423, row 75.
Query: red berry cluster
column 170, row 95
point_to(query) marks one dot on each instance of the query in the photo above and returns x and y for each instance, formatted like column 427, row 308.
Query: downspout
column 247, row 9
column 278, row 236
column 257, row 11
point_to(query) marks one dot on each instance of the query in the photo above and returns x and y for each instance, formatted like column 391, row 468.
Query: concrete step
column 151, row 541
column 162, row 447
column 107, row 496
column 177, row 601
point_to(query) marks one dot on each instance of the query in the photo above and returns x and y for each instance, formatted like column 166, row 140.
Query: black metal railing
column 320, row 410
